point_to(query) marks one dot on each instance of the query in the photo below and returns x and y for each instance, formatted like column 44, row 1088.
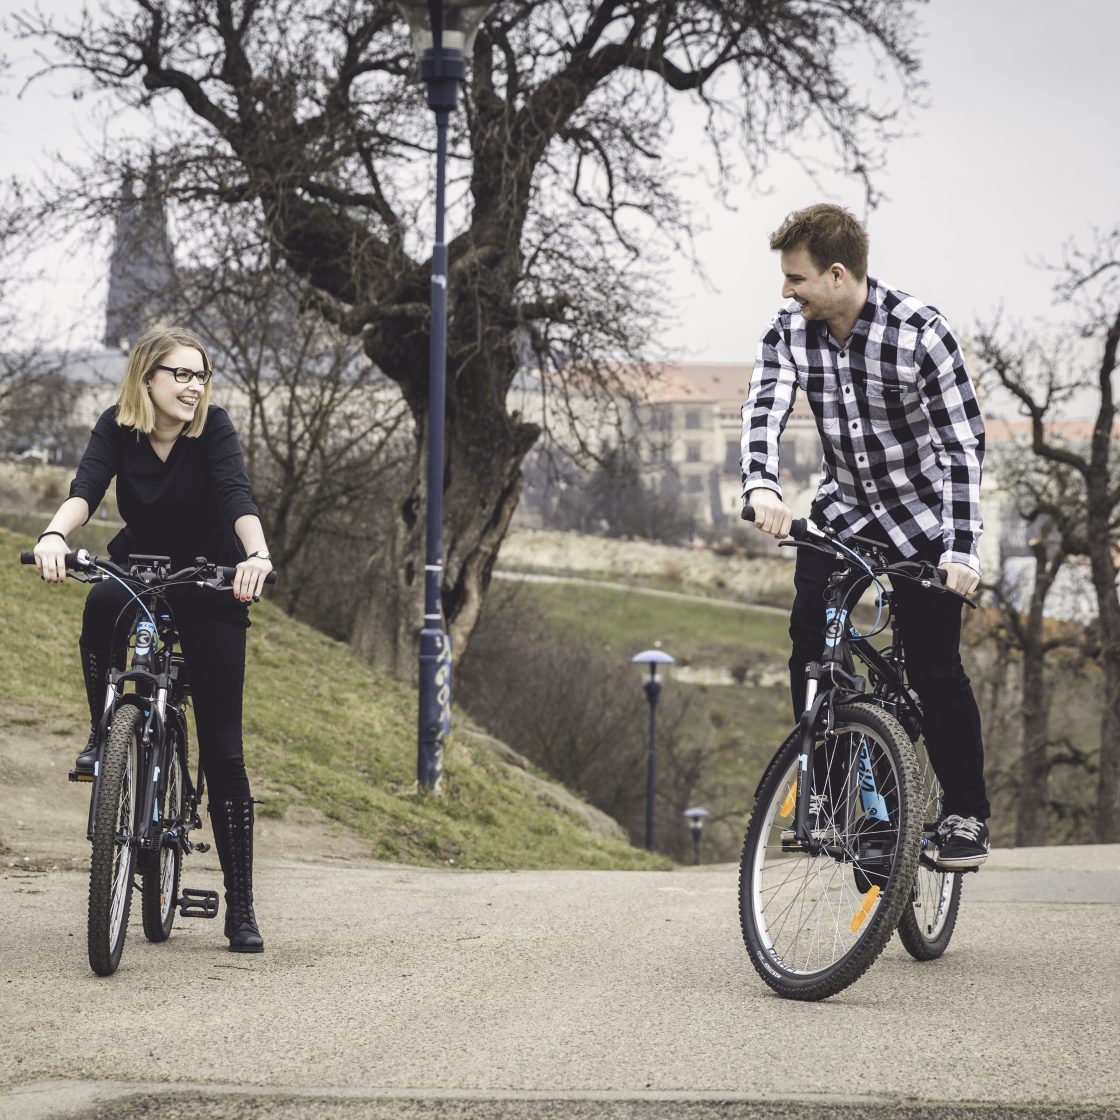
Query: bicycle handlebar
column 74, row 563
column 802, row 530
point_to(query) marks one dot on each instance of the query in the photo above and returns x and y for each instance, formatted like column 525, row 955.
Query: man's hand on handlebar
column 959, row 578
column 771, row 514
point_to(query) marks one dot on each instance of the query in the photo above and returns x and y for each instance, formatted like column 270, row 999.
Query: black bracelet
column 51, row 533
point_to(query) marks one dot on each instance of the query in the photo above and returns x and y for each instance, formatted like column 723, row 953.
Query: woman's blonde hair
column 134, row 407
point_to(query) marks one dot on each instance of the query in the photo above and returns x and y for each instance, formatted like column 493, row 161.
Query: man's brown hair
column 830, row 234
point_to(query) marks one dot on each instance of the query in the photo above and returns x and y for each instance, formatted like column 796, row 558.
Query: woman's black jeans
column 211, row 627
column 931, row 637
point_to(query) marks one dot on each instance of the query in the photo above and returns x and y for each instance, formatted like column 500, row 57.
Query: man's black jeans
column 931, row 636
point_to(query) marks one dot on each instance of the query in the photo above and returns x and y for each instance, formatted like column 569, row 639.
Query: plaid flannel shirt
column 899, row 422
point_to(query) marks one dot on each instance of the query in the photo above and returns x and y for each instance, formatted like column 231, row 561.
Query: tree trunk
column 1030, row 817
column 1108, row 775
column 482, row 483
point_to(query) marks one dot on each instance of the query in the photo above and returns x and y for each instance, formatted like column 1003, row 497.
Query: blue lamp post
column 652, row 658
column 442, row 35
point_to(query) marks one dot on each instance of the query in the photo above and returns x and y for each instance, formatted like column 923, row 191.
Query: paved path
column 390, row 991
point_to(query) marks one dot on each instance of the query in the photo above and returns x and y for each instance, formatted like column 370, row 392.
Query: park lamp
column 696, row 818
column 653, row 658
column 442, row 34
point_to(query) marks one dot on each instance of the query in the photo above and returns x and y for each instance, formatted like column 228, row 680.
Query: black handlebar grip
column 797, row 529
column 71, row 559
column 228, row 573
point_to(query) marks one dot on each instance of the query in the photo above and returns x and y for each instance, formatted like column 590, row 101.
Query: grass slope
column 323, row 728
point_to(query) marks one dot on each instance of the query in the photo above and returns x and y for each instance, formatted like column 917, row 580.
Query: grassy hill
column 322, row 729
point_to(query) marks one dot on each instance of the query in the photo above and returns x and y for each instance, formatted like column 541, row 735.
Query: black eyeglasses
column 183, row 375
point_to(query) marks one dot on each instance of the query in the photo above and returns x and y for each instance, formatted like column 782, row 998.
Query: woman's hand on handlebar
column 250, row 577
column 771, row 514
column 959, row 578
column 50, row 558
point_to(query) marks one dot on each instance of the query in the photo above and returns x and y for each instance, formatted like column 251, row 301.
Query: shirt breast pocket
column 890, row 402
column 817, row 383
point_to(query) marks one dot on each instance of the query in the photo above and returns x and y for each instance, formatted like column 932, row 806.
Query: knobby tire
column 926, row 926
column 114, row 856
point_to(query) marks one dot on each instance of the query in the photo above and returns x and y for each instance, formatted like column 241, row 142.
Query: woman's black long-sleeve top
column 182, row 508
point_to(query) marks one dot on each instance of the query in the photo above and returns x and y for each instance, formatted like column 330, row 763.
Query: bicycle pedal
column 790, row 843
column 198, row 904
column 201, row 846
column 80, row 776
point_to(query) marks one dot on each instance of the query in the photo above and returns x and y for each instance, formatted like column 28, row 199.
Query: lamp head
column 653, row 658
column 456, row 21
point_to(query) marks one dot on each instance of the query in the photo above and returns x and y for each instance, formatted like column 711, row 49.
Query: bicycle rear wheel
column 159, row 885
column 926, row 925
column 114, row 851
column 813, row 924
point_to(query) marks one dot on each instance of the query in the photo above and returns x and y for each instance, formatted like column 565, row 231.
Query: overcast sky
column 1016, row 154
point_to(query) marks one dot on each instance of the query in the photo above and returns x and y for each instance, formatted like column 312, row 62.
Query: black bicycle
column 841, row 847
column 144, row 805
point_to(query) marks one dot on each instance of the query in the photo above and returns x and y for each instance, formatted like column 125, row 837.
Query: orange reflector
column 864, row 909
column 790, row 801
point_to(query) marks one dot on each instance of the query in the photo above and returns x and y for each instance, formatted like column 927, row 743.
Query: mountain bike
column 841, row 848
column 143, row 804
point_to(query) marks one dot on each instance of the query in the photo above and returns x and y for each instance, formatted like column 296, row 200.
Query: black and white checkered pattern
column 901, row 428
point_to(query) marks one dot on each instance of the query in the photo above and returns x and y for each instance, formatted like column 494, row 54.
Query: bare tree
column 34, row 405
column 1022, row 628
column 305, row 114
column 1084, row 508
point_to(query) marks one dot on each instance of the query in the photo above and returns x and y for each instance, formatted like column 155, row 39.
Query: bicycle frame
column 160, row 691
column 833, row 681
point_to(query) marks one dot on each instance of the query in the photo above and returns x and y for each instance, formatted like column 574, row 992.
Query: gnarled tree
column 304, row 114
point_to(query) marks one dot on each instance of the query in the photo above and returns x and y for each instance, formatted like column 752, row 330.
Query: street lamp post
column 652, row 658
column 442, row 36
column 696, row 819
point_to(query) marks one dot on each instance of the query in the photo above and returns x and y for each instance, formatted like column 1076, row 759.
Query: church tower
column 140, row 268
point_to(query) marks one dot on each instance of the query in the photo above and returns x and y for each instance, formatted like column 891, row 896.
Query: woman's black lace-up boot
column 95, row 670
column 232, row 822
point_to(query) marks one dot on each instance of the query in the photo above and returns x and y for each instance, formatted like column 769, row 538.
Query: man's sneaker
column 963, row 843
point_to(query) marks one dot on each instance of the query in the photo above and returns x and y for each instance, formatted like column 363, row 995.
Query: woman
column 182, row 492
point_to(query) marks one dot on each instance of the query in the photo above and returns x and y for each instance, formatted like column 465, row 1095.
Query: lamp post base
column 435, row 705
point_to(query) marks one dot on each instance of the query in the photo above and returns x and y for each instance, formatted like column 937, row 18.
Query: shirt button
column 843, row 353
column 862, row 458
column 855, row 425
column 868, row 485
column 878, row 507
column 847, row 390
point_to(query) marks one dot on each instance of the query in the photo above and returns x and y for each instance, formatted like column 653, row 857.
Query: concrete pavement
column 391, row 991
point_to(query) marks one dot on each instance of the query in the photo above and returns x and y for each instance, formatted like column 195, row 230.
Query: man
column 903, row 442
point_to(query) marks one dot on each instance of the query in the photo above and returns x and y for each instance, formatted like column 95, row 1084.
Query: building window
column 694, row 484
column 692, row 418
column 731, row 453
column 692, row 453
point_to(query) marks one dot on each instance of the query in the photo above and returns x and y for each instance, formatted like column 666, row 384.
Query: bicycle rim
column 814, row 923
column 114, row 854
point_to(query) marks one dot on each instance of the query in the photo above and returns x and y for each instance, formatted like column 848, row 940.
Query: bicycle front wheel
column 159, row 885
column 814, row 923
column 114, row 850
column 927, row 924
